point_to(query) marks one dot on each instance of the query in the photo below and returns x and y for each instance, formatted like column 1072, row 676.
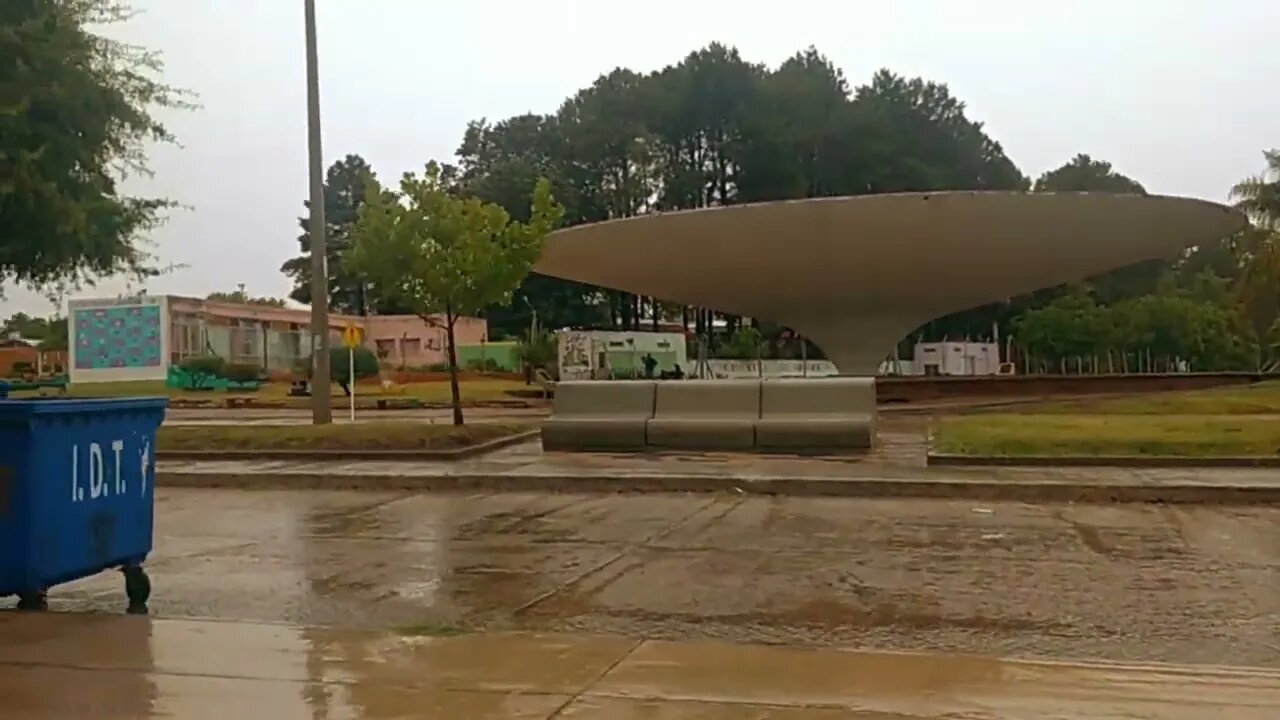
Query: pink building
column 276, row 337
column 140, row 338
column 405, row 340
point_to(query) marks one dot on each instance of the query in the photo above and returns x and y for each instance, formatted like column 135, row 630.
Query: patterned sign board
column 123, row 336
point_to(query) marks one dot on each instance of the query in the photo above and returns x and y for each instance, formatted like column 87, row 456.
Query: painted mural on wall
column 126, row 336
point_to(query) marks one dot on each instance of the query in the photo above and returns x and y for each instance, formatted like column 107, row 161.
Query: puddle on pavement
column 103, row 666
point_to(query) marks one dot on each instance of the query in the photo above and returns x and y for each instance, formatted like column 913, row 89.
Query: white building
column 601, row 354
column 956, row 358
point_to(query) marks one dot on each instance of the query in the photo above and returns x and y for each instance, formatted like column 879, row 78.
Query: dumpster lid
column 24, row 407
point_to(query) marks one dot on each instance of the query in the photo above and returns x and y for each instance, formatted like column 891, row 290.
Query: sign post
column 351, row 338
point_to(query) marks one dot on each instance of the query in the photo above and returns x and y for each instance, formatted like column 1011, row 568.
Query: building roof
column 855, row 274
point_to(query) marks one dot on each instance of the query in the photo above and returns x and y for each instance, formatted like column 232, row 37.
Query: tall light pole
column 321, row 410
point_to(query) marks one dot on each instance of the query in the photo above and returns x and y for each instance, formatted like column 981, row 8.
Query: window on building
column 245, row 344
column 412, row 348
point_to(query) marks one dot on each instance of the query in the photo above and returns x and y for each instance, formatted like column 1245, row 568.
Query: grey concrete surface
column 1139, row 583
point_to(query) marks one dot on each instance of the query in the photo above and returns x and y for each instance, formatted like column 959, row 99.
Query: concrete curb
column 341, row 455
column 992, row 490
column 1118, row 461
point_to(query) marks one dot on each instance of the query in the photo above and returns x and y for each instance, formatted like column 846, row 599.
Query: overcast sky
column 1177, row 94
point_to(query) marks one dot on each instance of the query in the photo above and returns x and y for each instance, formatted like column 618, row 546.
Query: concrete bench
column 599, row 415
column 705, row 415
column 816, row 415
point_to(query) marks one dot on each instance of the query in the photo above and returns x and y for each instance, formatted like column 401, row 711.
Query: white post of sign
column 351, row 378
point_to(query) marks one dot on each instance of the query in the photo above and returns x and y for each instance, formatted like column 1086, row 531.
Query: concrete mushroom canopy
column 856, row 274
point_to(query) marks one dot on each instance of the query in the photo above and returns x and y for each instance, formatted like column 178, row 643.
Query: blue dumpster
column 76, row 493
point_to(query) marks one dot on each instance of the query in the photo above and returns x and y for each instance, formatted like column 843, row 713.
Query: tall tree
column 915, row 136
column 699, row 110
column 791, row 134
column 611, row 158
column 346, row 185
column 1258, row 290
column 609, row 148
column 439, row 254
column 26, row 326
column 1258, row 256
column 1084, row 174
column 501, row 163
column 1259, row 195
column 75, row 116
column 1259, row 253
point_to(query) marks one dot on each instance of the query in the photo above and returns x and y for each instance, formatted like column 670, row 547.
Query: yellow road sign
column 351, row 337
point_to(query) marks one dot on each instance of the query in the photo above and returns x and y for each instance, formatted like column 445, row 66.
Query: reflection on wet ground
column 1126, row 583
column 115, row 666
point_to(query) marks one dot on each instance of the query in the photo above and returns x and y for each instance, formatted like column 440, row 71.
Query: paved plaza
column 522, row 598
column 330, row 604
column 114, row 667
column 1182, row 584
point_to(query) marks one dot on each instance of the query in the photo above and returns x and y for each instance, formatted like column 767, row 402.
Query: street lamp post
column 321, row 410
column 533, row 319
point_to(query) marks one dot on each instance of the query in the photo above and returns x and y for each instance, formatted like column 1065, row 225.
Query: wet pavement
column 1139, row 583
column 109, row 667
column 896, row 468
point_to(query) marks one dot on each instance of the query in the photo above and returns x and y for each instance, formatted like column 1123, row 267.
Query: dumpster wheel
column 37, row 600
column 138, row 587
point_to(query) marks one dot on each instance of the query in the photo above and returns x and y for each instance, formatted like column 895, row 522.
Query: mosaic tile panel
column 127, row 336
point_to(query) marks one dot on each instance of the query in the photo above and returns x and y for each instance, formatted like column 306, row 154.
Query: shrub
column 203, row 369
column 203, row 365
column 241, row 372
column 743, row 344
column 541, row 352
column 366, row 365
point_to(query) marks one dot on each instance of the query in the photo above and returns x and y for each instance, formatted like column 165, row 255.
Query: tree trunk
column 454, row 391
column 628, row 311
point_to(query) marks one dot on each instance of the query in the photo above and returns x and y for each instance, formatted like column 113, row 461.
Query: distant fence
column 913, row 389
column 730, row 369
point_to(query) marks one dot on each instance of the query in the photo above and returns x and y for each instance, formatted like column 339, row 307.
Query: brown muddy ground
column 1133, row 582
